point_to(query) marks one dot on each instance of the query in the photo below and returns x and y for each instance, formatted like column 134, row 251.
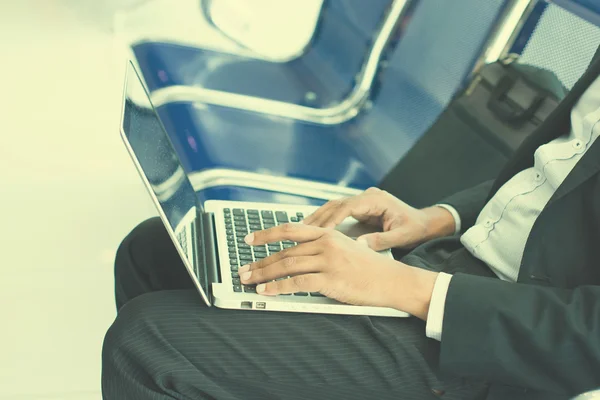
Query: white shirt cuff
column 452, row 210
column 435, row 317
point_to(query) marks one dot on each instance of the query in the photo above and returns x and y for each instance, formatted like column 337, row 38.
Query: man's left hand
column 328, row 262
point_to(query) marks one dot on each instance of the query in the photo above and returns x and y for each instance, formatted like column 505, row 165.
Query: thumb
column 380, row 240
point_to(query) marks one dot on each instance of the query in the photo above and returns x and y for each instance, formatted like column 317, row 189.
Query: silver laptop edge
column 182, row 254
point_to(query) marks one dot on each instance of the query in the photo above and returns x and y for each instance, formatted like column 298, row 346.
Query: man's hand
column 328, row 262
column 403, row 226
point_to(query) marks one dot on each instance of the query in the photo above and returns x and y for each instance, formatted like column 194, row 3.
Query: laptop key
column 234, row 268
column 294, row 219
column 230, row 237
column 267, row 214
column 226, row 211
column 317, row 294
column 236, row 281
column 246, row 258
column 229, row 231
column 287, row 246
column 249, row 289
column 235, row 274
column 253, row 212
column 301, row 294
column 243, row 245
column 231, row 243
column 233, row 262
column 281, row 216
column 244, row 251
column 237, row 288
column 238, row 211
column 232, row 256
column 256, row 226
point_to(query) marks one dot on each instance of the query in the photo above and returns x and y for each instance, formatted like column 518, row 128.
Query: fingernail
column 260, row 288
column 244, row 269
column 246, row 275
column 249, row 238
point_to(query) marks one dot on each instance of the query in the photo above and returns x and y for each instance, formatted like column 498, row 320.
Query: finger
column 318, row 212
column 384, row 240
column 303, row 249
column 347, row 210
column 324, row 219
column 294, row 232
column 289, row 266
column 313, row 282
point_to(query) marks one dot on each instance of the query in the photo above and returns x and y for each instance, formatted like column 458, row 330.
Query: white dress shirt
column 499, row 235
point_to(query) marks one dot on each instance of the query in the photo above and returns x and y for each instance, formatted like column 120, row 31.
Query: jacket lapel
column 588, row 166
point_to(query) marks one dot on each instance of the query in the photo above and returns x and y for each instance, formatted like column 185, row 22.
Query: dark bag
column 477, row 133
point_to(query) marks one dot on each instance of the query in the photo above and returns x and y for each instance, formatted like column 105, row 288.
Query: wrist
column 440, row 222
column 414, row 288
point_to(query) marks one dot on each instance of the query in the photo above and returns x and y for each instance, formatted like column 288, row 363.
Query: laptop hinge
column 210, row 249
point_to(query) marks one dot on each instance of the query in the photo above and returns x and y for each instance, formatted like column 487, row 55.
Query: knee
column 143, row 323
column 129, row 328
column 128, row 348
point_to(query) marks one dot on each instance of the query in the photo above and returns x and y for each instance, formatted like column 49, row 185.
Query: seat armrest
column 301, row 187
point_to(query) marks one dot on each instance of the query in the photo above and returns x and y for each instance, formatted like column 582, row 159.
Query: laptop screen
column 159, row 164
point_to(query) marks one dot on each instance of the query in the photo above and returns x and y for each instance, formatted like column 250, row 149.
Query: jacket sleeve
column 523, row 335
column 469, row 203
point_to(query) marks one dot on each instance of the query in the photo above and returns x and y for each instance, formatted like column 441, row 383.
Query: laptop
column 209, row 237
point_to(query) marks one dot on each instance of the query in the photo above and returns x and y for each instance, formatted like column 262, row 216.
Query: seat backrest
column 341, row 43
column 435, row 54
column 326, row 70
column 561, row 42
column 441, row 43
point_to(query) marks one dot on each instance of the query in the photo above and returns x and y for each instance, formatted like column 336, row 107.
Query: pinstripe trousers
column 166, row 344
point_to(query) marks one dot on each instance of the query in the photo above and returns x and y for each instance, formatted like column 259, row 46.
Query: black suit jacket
column 541, row 334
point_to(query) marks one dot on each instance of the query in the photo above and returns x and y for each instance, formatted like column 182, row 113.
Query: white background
column 69, row 194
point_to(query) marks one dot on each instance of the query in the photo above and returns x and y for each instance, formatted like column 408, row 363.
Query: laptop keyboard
column 239, row 223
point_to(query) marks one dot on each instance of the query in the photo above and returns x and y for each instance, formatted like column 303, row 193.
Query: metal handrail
column 219, row 177
column 339, row 113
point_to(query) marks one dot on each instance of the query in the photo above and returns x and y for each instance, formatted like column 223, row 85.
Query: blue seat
column 423, row 71
column 238, row 154
column 326, row 70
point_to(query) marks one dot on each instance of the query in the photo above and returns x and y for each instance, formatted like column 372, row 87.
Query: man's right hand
column 403, row 226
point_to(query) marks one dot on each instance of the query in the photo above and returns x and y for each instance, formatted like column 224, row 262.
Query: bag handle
column 503, row 110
